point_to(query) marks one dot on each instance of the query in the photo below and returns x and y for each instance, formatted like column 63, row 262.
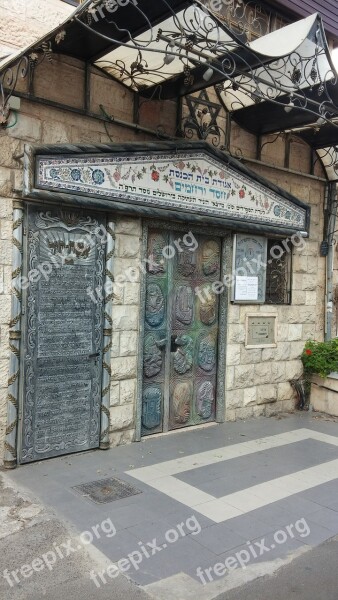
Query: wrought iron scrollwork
column 278, row 274
column 250, row 18
column 329, row 158
column 203, row 120
column 23, row 68
column 200, row 37
column 8, row 83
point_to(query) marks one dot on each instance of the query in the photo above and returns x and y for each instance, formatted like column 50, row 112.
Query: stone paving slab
column 295, row 456
column 264, row 476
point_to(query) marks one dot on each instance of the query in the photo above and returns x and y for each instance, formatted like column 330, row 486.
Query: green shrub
column 320, row 357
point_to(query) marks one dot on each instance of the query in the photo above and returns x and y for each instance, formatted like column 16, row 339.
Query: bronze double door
column 181, row 317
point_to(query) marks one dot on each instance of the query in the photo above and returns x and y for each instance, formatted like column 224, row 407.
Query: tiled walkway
column 244, row 496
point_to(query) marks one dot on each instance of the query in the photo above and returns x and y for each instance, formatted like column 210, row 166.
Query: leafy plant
column 320, row 357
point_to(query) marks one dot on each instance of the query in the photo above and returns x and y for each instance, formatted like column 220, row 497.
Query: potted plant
column 320, row 357
column 320, row 361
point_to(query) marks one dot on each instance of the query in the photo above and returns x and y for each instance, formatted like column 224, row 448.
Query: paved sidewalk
column 215, row 507
column 30, row 533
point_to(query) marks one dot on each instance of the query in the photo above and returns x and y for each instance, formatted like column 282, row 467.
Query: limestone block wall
column 257, row 380
column 38, row 124
column 324, row 394
column 126, row 310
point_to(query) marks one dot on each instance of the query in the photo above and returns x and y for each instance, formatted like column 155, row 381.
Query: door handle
column 174, row 345
column 161, row 343
column 96, row 355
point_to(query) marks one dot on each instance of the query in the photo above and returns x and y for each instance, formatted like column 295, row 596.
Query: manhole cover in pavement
column 106, row 490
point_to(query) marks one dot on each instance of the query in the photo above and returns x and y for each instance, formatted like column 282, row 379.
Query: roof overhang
column 164, row 49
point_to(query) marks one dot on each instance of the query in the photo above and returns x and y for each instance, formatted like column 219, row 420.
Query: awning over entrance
column 281, row 81
column 294, row 69
column 187, row 182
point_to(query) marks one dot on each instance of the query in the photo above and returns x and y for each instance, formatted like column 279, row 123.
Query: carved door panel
column 181, row 332
column 155, row 334
column 194, row 334
column 63, row 337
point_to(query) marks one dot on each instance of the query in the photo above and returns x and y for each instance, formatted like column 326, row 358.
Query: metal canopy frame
column 297, row 89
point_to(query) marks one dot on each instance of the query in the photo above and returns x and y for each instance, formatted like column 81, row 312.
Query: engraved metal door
column 181, row 331
column 155, row 334
column 63, row 336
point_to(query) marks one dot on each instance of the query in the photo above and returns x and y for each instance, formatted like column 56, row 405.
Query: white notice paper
column 246, row 288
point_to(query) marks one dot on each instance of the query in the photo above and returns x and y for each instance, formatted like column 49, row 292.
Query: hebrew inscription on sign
column 194, row 182
column 250, row 255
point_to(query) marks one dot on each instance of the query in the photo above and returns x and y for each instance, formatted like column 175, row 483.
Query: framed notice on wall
column 249, row 268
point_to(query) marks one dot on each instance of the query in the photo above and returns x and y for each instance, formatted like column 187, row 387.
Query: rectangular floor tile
column 326, row 518
column 219, row 538
column 218, row 511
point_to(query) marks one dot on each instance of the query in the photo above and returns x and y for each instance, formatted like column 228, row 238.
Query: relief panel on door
column 194, row 334
column 155, row 334
column 181, row 333
column 63, row 335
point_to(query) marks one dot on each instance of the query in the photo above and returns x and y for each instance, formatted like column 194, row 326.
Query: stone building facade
column 257, row 380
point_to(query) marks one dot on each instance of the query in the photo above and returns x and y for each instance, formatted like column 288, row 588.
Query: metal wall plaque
column 261, row 331
column 63, row 334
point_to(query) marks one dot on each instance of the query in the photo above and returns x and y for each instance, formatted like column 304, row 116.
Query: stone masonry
column 270, row 370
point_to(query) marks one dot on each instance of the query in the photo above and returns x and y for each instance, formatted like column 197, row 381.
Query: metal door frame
column 226, row 258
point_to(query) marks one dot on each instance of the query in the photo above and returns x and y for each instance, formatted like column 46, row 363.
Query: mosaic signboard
column 191, row 182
